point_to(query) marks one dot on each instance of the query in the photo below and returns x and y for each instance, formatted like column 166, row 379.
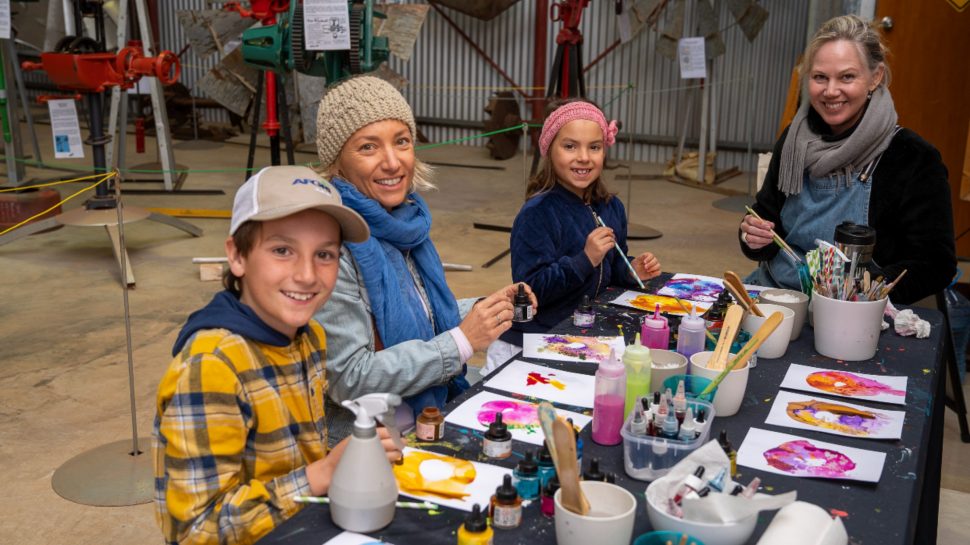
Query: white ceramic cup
column 732, row 533
column 666, row 363
column 730, row 392
column 847, row 330
column 776, row 344
column 610, row 518
column 800, row 307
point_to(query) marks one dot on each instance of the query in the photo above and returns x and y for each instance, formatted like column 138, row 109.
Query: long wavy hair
column 545, row 177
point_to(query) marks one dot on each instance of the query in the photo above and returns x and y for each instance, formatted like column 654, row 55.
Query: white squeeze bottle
column 690, row 337
column 363, row 491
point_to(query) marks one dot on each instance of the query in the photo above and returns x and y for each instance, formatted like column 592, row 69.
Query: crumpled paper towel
column 907, row 323
column 712, row 457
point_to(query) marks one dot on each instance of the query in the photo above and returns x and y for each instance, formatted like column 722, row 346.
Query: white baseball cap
column 280, row 191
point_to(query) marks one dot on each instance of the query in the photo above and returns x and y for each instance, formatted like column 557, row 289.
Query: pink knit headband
column 571, row 112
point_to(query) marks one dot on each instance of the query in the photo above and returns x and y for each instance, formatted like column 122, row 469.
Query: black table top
column 884, row 513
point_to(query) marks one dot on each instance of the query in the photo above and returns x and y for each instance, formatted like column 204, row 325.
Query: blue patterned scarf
column 395, row 301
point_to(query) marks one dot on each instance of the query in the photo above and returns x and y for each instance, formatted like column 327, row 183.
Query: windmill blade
column 713, row 44
column 402, row 26
column 231, row 83
column 209, row 29
column 750, row 16
column 480, row 9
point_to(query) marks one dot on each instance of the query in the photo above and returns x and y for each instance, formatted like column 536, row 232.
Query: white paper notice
column 859, row 386
column 5, row 19
column 690, row 51
column 65, row 128
column 521, row 417
column 545, row 383
column 326, row 25
column 811, row 412
column 799, row 457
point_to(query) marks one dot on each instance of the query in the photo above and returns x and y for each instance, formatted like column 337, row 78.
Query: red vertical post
column 539, row 62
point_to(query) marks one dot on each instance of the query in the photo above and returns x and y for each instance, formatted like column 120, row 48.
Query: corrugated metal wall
column 450, row 81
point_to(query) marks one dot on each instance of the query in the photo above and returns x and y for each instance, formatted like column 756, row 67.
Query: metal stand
column 111, row 475
column 278, row 91
column 100, row 209
column 955, row 401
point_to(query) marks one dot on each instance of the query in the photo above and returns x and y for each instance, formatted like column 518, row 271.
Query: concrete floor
column 65, row 383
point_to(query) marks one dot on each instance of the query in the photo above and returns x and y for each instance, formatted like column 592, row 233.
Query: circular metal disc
column 635, row 231
column 107, row 476
column 82, row 217
column 735, row 203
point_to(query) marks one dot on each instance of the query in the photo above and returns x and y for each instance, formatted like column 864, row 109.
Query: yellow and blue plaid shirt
column 237, row 423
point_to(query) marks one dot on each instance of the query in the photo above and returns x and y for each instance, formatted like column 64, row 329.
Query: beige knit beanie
column 352, row 104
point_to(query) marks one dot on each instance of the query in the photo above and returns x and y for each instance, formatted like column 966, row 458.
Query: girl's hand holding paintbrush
column 598, row 243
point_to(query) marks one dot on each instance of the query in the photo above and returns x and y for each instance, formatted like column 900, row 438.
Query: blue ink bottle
column 525, row 477
column 547, row 469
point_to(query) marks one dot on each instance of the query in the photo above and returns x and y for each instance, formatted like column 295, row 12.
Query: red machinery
column 265, row 12
column 566, row 78
column 94, row 72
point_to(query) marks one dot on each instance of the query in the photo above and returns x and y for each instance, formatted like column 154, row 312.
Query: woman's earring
column 869, row 94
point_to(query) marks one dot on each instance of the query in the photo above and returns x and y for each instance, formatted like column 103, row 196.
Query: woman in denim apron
column 844, row 158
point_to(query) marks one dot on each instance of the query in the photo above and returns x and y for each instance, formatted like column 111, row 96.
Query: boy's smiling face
column 291, row 270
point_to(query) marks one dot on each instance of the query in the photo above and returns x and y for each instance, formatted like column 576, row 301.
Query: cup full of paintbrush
column 847, row 330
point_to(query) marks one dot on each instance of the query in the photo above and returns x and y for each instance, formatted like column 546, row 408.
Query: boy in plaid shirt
column 240, row 429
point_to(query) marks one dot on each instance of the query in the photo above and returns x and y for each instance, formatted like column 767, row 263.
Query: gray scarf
column 804, row 149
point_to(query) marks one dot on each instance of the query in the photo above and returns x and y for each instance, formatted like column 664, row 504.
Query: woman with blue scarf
column 392, row 323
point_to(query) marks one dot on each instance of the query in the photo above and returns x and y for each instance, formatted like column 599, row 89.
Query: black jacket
column 909, row 208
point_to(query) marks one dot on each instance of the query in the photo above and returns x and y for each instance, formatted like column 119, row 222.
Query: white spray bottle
column 363, row 490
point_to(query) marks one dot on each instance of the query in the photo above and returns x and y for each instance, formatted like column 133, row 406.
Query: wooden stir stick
column 729, row 330
column 753, row 344
column 733, row 282
column 567, row 468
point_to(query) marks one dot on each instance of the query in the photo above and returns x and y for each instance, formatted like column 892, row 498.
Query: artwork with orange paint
column 648, row 301
column 836, row 417
column 446, row 480
column 884, row 388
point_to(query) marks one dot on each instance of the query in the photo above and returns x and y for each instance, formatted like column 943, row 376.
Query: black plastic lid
column 722, row 439
column 611, row 477
column 506, row 492
column 497, row 430
column 701, row 415
column 521, row 298
column 528, row 465
column 699, row 472
column 551, row 486
column 594, row 473
column 656, row 398
column 704, row 491
column 854, row 234
column 737, row 490
column 584, row 306
column 476, row 522
column 545, row 457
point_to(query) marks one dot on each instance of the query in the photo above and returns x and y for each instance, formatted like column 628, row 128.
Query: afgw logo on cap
column 316, row 183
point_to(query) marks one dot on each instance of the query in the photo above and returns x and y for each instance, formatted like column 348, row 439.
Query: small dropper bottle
column 475, row 530
column 506, row 506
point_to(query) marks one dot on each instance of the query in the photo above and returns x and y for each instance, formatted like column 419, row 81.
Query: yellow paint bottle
column 475, row 530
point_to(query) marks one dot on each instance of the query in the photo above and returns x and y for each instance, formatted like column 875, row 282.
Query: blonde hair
column 850, row 28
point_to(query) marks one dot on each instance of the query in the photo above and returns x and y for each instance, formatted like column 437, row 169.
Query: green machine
column 281, row 47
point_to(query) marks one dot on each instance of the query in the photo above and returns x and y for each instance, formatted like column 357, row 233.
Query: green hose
column 3, row 100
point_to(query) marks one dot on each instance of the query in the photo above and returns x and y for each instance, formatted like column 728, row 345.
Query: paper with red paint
column 541, row 382
column 844, row 383
column 521, row 417
column 817, row 413
column 800, row 457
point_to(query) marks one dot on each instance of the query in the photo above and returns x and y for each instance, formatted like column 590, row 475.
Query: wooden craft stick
column 729, row 330
column 747, row 350
column 740, row 293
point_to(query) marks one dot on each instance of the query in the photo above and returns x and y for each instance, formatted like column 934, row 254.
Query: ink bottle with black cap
column 525, row 477
column 498, row 441
column 475, row 530
column 506, row 506
column 522, row 306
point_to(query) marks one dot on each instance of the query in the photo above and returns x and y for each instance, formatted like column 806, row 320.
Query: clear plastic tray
column 646, row 457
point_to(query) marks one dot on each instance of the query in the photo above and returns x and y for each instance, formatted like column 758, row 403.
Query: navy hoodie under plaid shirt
column 237, row 422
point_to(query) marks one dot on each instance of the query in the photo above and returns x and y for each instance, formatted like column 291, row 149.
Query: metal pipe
column 539, row 60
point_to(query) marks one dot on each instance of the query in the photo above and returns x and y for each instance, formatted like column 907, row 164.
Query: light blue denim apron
column 813, row 213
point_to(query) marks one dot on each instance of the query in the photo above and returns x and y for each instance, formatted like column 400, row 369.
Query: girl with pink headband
column 558, row 246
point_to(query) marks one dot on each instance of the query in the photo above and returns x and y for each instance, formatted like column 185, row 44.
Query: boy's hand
column 488, row 319
column 599, row 241
column 320, row 473
column 756, row 233
column 647, row 266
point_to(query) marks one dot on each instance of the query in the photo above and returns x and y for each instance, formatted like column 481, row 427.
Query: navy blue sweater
column 548, row 237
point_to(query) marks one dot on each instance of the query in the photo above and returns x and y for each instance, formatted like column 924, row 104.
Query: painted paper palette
column 810, row 412
column 698, row 288
column 799, row 457
column 548, row 346
column 353, row 538
column 648, row 302
column 446, row 480
column 553, row 385
column 887, row 389
column 521, row 417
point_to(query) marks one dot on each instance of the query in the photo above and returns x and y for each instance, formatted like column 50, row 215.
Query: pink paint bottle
column 655, row 333
column 608, row 400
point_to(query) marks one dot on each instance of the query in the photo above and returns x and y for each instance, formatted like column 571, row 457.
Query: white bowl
column 734, row 533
